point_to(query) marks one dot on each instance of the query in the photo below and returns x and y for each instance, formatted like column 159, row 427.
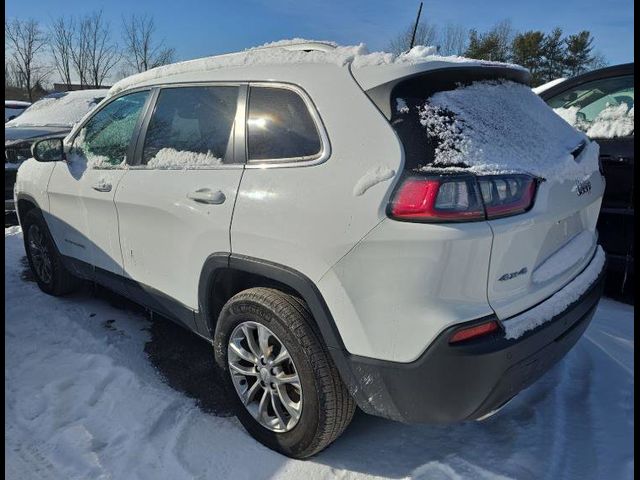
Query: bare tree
column 61, row 45
column 426, row 34
column 80, row 51
column 101, row 54
column 26, row 41
column 11, row 74
column 453, row 40
column 143, row 51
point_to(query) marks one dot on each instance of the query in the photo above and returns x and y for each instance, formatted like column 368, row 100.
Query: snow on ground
column 63, row 109
column 85, row 399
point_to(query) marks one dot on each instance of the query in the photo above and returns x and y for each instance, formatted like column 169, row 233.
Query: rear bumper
column 468, row 381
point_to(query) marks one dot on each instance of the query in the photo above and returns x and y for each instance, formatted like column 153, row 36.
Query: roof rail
column 307, row 46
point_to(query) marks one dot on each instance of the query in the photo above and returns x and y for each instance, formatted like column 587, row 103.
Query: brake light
column 474, row 332
column 437, row 199
column 459, row 198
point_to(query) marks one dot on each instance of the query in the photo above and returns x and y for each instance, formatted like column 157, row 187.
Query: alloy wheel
column 265, row 377
column 40, row 254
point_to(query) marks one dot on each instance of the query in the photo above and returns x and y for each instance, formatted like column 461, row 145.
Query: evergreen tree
column 578, row 58
column 553, row 56
column 527, row 51
column 493, row 45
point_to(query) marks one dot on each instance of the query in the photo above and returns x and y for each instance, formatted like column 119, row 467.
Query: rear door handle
column 206, row 195
column 102, row 187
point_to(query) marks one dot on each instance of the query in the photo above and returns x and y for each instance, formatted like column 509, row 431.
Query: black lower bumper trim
column 451, row 383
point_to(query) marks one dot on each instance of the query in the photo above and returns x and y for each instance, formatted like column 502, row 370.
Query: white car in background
column 13, row 108
column 546, row 86
column 408, row 234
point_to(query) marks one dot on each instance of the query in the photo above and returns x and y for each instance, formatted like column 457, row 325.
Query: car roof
column 294, row 57
column 611, row 71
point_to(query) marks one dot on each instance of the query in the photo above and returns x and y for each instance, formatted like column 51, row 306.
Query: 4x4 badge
column 583, row 187
column 509, row 276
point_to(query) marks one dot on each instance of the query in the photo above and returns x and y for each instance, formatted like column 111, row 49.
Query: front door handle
column 102, row 187
column 205, row 195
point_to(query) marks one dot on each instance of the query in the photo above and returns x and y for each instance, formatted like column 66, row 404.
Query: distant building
column 62, row 87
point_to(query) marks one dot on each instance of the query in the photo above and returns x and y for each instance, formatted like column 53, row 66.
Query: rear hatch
column 534, row 179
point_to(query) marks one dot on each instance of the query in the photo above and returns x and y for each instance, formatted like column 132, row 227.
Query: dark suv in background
column 52, row 115
column 598, row 100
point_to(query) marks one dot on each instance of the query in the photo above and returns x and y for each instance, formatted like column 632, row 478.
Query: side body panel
column 404, row 283
column 31, row 182
column 308, row 217
column 167, row 237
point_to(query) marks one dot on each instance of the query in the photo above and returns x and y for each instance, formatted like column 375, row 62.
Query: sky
column 197, row 28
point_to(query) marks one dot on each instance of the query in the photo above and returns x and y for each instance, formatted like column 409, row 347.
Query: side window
column 601, row 108
column 279, row 126
column 191, row 127
column 104, row 139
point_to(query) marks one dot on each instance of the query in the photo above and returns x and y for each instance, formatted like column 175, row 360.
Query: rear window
column 280, row 126
column 483, row 125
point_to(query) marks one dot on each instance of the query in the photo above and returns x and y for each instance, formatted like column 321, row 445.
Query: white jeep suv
column 412, row 235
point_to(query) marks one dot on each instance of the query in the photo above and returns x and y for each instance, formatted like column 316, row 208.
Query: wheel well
column 228, row 281
column 25, row 206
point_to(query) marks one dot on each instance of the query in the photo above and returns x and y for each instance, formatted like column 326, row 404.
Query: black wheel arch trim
column 287, row 276
column 290, row 277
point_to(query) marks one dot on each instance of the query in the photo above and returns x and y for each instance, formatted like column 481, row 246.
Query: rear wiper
column 578, row 150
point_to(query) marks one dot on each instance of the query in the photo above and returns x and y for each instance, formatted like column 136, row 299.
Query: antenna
column 415, row 27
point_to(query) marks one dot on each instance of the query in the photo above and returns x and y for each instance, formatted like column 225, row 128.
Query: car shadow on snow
column 184, row 361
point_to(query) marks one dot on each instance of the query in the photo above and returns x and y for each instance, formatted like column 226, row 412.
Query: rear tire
column 326, row 408
column 45, row 261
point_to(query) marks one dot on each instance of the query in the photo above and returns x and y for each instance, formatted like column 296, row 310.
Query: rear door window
column 191, row 127
column 280, row 126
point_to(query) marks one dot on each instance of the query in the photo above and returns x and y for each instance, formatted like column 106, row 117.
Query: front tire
column 45, row 261
column 287, row 391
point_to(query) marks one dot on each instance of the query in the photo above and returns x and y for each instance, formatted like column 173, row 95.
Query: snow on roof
column 62, row 109
column 300, row 51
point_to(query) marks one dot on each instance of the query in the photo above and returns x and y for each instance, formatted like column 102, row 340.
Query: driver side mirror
column 48, row 150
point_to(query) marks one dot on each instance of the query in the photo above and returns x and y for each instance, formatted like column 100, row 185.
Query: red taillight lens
column 454, row 198
column 473, row 332
column 505, row 195
column 437, row 199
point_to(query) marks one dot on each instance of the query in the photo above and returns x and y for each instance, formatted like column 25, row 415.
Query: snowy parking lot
column 94, row 389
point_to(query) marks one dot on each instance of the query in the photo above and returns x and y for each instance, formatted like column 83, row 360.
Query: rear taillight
column 473, row 332
column 437, row 199
column 505, row 195
column 459, row 198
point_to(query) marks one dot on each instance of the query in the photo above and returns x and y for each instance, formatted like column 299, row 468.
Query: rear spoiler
column 442, row 79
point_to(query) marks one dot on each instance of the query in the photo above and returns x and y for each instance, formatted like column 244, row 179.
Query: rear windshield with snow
column 484, row 126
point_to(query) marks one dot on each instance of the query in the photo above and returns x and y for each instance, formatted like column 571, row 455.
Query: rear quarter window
column 280, row 126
